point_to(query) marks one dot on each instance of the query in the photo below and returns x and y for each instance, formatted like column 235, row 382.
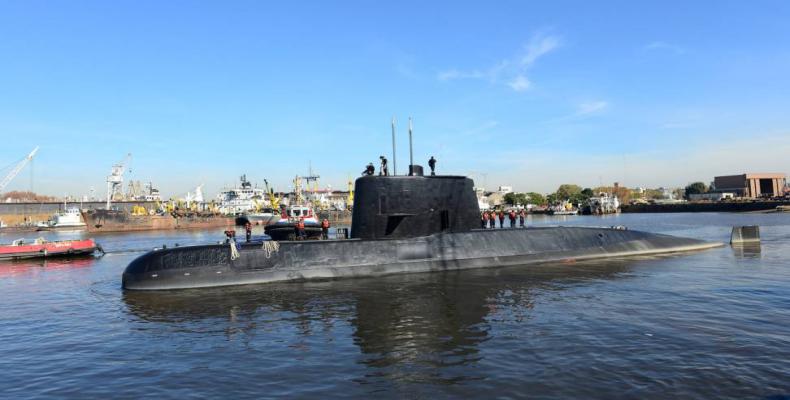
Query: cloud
column 510, row 71
column 519, row 83
column 664, row 46
column 456, row 74
column 537, row 47
column 593, row 107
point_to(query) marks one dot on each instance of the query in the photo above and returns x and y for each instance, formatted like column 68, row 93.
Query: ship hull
column 212, row 265
column 288, row 231
column 48, row 249
column 119, row 221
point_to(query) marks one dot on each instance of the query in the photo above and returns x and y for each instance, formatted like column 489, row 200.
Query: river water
column 711, row 324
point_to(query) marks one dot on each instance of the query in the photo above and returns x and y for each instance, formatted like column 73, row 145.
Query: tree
column 696, row 188
column 516, row 198
column 566, row 191
column 535, row 198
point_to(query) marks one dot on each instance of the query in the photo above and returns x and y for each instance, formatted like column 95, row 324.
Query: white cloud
column 456, row 74
column 664, row 46
column 537, row 47
column 593, row 107
column 511, row 71
column 519, row 83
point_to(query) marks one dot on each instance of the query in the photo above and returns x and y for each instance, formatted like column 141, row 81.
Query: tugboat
column 40, row 248
column 401, row 224
column 286, row 227
column 67, row 220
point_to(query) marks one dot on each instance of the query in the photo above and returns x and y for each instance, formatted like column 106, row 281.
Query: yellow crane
column 350, row 199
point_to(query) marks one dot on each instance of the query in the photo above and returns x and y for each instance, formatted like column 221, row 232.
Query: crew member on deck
column 248, row 230
column 512, row 216
column 484, row 219
column 325, row 229
column 369, row 170
column 492, row 221
column 432, row 164
column 521, row 216
column 300, row 228
column 384, row 170
column 501, row 218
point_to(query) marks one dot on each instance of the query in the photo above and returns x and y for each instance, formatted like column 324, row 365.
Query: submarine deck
column 212, row 265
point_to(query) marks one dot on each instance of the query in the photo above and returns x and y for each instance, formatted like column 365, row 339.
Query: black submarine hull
column 214, row 265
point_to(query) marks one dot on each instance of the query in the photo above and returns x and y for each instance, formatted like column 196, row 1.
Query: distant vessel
column 602, row 204
column 564, row 208
column 69, row 219
column 240, row 199
column 40, row 248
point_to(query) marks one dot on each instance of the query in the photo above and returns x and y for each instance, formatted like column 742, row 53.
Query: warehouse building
column 752, row 185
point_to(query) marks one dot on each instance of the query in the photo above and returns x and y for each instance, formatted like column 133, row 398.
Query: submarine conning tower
column 405, row 206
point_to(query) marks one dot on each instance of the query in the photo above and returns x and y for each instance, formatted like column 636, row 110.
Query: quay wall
column 53, row 207
column 704, row 207
column 30, row 213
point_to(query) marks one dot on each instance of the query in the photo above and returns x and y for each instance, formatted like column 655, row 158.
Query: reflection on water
column 417, row 323
column 747, row 250
column 10, row 268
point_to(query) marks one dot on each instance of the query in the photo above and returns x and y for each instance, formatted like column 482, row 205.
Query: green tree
column 567, row 191
column 516, row 198
column 535, row 198
column 696, row 188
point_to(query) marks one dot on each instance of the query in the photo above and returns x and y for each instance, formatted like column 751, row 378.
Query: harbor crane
column 115, row 180
column 18, row 168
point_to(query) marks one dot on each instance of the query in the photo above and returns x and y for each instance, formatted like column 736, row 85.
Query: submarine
column 411, row 223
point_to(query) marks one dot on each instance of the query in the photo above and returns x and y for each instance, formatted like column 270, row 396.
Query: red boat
column 41, row 248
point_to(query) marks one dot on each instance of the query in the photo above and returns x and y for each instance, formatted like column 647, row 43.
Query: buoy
column 745, row 234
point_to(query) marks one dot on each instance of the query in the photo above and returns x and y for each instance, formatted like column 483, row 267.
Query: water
column 710, row 324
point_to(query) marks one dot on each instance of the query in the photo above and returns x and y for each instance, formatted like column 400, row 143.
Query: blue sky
column 531, row 95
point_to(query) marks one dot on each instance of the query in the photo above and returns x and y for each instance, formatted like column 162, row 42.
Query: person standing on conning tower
column 384, row 170
column 369, row 170
column 432, row 164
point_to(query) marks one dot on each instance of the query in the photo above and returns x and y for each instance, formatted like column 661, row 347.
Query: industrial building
column 752, row 185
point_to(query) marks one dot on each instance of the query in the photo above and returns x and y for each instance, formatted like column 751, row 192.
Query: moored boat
column 285, row 227
column 69, row 219
column 41, row 248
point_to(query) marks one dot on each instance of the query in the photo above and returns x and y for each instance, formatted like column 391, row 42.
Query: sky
column 526, row 94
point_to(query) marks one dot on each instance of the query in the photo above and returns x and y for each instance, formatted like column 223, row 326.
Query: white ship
column 604, row 203
column 564, row 208
column 70, row 219
column 250, row 204
column 241, row 199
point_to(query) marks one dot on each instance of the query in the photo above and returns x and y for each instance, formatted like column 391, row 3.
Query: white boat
column 69, row 219
column 264, row 217
column 241, row 199
column 604, row 203
column 2, row 224
column 283, row 229
column 564, row 208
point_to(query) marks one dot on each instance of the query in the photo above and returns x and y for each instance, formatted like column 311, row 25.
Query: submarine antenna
column 394, row 159
column 411, row 150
